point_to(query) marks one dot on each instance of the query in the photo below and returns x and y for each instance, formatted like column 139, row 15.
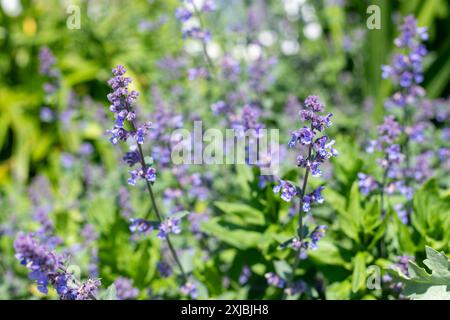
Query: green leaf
column 109, row 294
column 240, row 213
column 180, row 214
column 359, row 272
column 236, row 237
column 283, row 269
column 421, row 285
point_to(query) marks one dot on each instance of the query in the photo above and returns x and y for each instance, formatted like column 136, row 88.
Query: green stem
column 157, row 212
column 204, row 49
column 406, row 150
column 300, row 221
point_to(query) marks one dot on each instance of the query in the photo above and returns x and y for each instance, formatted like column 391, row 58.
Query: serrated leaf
column 421, row 285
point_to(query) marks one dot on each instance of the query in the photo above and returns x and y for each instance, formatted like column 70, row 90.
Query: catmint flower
column 315, row 196
column 89, row 233
column 47, row 63
column 366, row 183
column 230, row 68
column 125, row 289
column 171, row 225
column 38, row 259
column 46, row 114
column 183, row 14
column 88, row 289
column 195, row 220
column 319, row 148
column 189, row 289
column 259, row 73
column 297, row 287
column 196, row 73
column 132, row 157
column 314, row 103
column 220, row 107
column 149, row 175
column 208, row 6
column 46, row 267
column 122, row 101
column 245, row 275
column 274, row 280
column 164, row 269
column 406, row 68
column 316, row 235
column 288, row 190
column 198, row 34
column 140, row 226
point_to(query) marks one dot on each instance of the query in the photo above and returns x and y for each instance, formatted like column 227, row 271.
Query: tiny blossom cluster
column 406, row 70
column 310, row 241
column 164, row 269
column 125, row 289
column 245, row 275
column 187, row 12
column 171, row 225
column 143, row 226
column 165, row 121
column 259, row 73
column 274, row 280
column 230, row 68
column 288, row 190
column 189, row 289
column 47, row 68
column 46, row 267
column 122, row 101
column 391, row 161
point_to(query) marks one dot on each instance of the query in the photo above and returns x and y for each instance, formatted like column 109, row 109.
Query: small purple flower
column 196, row 73
column 288, row 190
column 315, row 169
column 219, row 107
column 171, row 225
column 164, row 269
column 183, row 14
column 189, row 289
column 150, row 175
column 314, row 103
column 245, row 275
column 274, row 280
column 366, row 183
column 46, row 114
column 132, row 157
column 140, row 226
column 316, row 235
column 125, row 289
column 197, row 33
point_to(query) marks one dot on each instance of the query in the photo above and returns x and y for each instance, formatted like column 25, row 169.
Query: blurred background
column 55, row 154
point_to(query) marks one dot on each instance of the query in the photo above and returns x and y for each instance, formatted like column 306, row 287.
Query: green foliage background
column 245, row 228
